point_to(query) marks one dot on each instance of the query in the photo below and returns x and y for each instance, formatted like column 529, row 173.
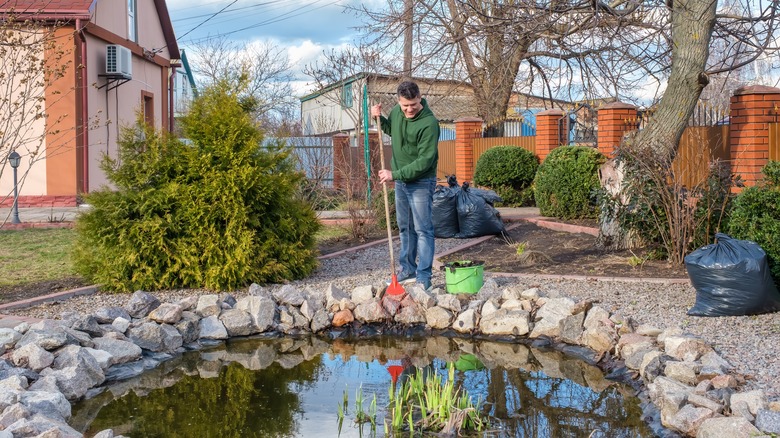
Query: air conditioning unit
column 119, row 61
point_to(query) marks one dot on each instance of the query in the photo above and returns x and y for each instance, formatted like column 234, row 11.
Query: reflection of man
column 415, row 135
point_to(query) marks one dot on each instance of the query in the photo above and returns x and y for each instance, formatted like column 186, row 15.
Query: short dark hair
column 408, row 90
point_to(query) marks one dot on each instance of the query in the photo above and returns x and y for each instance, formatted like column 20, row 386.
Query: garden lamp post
column 15, row 159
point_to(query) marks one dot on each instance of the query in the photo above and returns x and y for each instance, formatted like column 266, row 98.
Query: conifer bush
column 220, row 212
column 567, row 183
column 509, row 171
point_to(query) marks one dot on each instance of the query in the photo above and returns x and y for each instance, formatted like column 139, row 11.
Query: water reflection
column 292, row 387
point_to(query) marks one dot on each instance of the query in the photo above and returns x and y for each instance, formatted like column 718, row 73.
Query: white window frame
column 132, row 25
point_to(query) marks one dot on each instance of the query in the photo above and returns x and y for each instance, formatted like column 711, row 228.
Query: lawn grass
column 38, row 254
column 32, row 255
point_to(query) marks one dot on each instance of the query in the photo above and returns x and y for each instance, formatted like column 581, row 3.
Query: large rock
column 363, row 294
column 261, row 309
column 342, row 318
column 550, row 315
column 166, row 313
column 336, row 299
column 237, row 322
column 410, row 315
column 141, row 303
column 46, row 339
column 320, row 321
column 289, row 295
column 41, row 426
column 50, row 404
column 188, row 327
column 8, row 338
column 768, row 421
column 89, row 325
column 466, row 322
column 79, row 358
column 371, row 312
column 33, row 357
column 449, row 302
column 212, row 328
column 107, row 315
column 505, row 322
column 685, row 348
column 438, row 317
column 121, row 351
column 155, row 337
column 208, row 305
column 755, row 400
column 689, row 418
column 731, row 427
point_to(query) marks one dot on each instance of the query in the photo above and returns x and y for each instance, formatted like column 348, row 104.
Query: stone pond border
column 48, row 364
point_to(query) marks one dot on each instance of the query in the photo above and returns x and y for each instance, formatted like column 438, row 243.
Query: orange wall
column 61, row 107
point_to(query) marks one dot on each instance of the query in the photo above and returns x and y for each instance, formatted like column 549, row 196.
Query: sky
column 304, row 28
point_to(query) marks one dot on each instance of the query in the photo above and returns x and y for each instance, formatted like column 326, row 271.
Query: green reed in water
column 429, row 404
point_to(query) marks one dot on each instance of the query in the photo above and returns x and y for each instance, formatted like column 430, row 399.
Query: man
column 415, row 135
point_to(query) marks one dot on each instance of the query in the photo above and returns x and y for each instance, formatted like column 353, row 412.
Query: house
column 104, row 62
column 338, row 107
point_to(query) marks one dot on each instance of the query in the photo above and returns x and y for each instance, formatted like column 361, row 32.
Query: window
column 132, row 29
column 346, row 95
column 147, row 104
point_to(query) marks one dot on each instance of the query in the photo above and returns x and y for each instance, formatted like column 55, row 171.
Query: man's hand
column 376, row 110
column 385, row 176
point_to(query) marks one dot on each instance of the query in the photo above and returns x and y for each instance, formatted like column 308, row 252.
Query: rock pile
column 46, row 365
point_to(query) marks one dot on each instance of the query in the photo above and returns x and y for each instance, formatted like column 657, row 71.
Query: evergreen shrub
column 220, row 212
column 567, row 183
column 755, row 215
column 509, row 171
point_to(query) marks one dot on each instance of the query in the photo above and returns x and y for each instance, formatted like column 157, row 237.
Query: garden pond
column 299, row 387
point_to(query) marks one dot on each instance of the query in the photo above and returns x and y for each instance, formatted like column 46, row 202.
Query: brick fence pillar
column 752, row 109
column 552, row 129
column 466, row 130
column 614, row 121
column 340, row 157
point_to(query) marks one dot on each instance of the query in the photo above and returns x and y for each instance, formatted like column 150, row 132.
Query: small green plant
column 432, row 404
column 53, row 218
column 635, row 260
column 509, row 171
column 520, row 248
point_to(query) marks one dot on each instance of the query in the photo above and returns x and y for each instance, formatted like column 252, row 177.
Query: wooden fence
column 699, row 147
column 446, row 160
column 774, row 141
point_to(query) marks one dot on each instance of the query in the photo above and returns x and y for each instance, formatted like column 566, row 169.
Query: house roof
column 71, row 9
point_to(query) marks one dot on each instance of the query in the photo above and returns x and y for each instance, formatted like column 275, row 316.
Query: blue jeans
column 413, row 210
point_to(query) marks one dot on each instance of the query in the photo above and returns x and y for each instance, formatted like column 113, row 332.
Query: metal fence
column 313, row 156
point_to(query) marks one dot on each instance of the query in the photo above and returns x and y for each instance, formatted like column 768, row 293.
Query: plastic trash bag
column 489, row 196
column 475, row 216
column 731, row 278
column 445, row 211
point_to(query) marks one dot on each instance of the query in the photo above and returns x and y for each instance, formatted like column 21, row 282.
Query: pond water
column 293, row 388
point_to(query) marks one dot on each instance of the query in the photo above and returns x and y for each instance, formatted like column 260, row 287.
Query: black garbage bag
column 475, row 216
column 731, row 278
column 489, row 196
column 445, row 211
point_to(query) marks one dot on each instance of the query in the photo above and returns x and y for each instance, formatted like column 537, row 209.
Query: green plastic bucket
column 464, row 277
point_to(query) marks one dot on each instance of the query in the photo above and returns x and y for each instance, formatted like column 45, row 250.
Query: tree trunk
column 692, row 25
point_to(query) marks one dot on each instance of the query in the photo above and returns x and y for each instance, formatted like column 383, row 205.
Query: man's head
column 409, row 98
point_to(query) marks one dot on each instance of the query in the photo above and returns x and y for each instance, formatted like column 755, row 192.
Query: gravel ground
column 750, row 343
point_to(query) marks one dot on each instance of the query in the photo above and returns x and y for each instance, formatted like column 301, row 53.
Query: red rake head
column 395, row 287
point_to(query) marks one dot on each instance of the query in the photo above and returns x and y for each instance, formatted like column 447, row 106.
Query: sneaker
column 403, row 278
column 425, row 285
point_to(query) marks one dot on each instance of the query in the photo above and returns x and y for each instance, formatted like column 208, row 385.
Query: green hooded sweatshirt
column 415, row 143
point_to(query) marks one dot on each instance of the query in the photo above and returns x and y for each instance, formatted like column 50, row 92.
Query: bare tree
column 580, row 50
column 264, row 67
column 36, row 55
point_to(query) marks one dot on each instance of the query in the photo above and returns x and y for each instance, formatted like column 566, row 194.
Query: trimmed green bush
column 567, row 183
column 509, row 171
column 755, row 215
column 218, row 213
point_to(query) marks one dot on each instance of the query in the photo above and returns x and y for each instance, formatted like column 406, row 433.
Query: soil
column 10, row 294
column 561, row 253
